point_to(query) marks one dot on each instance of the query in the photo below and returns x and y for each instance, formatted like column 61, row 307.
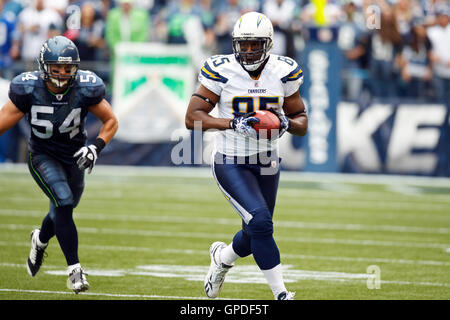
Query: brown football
column 267, row 122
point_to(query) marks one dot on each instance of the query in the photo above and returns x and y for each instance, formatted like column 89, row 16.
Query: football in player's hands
column 268, row 121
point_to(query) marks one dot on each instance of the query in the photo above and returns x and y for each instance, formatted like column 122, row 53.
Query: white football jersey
column 239, row 93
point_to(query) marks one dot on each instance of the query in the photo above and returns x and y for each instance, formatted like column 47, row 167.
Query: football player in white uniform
column 251, row 79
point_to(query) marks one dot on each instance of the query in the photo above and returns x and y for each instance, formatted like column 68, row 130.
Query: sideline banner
column 394, row 137
column 152, row 86
column 321, row 93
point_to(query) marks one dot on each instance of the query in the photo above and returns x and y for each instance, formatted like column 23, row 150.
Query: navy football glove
column 284, row 122
column 243, row 124
column 88, row 155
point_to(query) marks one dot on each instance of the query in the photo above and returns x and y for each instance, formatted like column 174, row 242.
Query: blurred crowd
column 390, row 48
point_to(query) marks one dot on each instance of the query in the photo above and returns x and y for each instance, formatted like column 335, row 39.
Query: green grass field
column 145, row 234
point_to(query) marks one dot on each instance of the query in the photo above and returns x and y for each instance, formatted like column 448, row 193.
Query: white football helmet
column 255, row 27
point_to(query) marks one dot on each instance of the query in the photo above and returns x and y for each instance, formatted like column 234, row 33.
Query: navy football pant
column 253, row 195
column 63, row 184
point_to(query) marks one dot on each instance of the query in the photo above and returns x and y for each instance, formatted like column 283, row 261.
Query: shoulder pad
column 289, row 70
column 91, row 86
column 25, row 82
column 89, row 83
column 215, row 68
column 21, row 89
column 87, row 78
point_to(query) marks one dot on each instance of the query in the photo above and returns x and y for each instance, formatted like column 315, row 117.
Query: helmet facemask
column 251, row 59
column 63, row 80
column 252, row 40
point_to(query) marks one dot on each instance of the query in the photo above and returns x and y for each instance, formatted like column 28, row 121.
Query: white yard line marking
column 239, row 274
column 368, row 260
column 115, row 174
column 440, row 219
column 290, row 256
column 111, row 172
column 203, row 235
column 339, row 204
column 366, row 195
column 232, row 222
column 113, row 295
column 140, row 189
column 23, row 265
column 326, row 258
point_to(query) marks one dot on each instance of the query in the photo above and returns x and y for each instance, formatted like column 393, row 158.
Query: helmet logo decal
column 64, row 59
column 259, row 21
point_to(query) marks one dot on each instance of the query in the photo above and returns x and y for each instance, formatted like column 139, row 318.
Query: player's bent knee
column 261, row 224
column 63, row 194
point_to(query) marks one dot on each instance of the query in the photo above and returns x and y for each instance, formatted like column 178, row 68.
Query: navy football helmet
column 59, row 50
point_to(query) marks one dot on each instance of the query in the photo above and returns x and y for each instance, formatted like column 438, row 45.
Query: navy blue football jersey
column 57, row 120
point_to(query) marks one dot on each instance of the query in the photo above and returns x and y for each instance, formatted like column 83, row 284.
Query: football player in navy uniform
column 246, row 166
column 56, row 100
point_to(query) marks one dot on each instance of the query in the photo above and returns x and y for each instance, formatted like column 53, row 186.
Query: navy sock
column 262, row 244
column 265, row 252
column 47, row 229
column 66, row 233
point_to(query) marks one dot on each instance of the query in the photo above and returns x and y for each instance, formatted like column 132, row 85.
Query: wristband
column 99, row 144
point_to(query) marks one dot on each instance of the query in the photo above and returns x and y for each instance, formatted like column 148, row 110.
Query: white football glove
column 87, row 157
column 284, row 125
column 242, row 125
column 284, row 122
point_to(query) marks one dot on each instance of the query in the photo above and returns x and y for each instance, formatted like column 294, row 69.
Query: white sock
column 274, row 277
column 73, row 266
column 228, row 256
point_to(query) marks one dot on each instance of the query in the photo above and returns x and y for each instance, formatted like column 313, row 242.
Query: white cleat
column 77, row 281
column 217, row 271
column 286, row 295
column 36, row 256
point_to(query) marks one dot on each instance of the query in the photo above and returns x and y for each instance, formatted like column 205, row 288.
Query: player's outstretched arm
column 200, row 105
column 9, row 116
column 295, row 110
column 87, row 156
column 104, row 113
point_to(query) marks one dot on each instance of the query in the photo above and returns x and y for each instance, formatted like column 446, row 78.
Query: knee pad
column 63, row 194
column 261, row 224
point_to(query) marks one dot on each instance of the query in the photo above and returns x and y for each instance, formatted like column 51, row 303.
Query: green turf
column 145, row 234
